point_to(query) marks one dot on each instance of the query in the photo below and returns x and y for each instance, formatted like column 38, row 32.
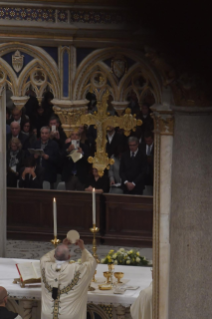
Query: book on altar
column 29, row 271
column 33, row 151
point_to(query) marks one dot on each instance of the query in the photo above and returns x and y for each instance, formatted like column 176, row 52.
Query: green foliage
column 124, row 257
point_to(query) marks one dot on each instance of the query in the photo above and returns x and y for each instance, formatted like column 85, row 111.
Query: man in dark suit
column 49, row 159
column 31, row 175
column 75, row 174
column 18, row 116
column 114, row 140
column 16, row 132
column 132, row 168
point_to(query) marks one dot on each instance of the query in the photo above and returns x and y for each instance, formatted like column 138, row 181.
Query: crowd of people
column 38, row 150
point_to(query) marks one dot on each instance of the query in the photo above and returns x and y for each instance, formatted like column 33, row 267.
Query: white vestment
column 142, row 307
column 72, row 281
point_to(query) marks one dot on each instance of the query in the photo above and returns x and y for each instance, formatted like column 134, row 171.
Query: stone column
column 3, row 184
column 163, row 141
column 190, row 292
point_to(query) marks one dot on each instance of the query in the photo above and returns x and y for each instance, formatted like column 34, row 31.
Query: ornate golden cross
column 102, row 120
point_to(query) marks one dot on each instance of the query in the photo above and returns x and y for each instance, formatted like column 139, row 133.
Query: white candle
column 94, row 206
column 55, row 216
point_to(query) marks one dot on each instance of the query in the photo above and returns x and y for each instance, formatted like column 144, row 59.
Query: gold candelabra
column 55, row 241
column 94, row 230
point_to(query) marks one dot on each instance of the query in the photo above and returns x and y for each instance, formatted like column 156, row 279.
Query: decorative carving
column 119, row 66
column 163, row 122
column 2, row 76
column 166, row 71
column 190, row 91
column 39, row 76
column 17, row 61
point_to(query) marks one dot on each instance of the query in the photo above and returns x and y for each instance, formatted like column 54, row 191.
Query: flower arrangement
column 124, row 257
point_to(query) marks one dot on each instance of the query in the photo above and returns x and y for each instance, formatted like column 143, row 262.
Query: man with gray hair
column 132, row 168
column 4, row 312
column 65, row 285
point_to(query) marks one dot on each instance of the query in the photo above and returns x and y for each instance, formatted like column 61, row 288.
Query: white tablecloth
column 135, row 276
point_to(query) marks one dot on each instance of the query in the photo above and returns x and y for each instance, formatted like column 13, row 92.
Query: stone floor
column 36, row 249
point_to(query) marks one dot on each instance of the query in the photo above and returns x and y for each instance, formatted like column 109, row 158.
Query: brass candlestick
column 55, row 241
column 94, row 230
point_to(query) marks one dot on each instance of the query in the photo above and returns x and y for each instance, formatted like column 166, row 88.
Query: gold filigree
column 102, row 120
column 163, row 123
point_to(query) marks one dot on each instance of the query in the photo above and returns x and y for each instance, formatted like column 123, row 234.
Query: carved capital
column 163, row 121
column 19, row 101
column 120, row 106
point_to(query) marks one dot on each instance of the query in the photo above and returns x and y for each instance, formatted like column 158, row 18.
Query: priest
column 65, row 285
column 142, row 307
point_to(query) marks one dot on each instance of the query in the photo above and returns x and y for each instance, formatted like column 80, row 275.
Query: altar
column 105, row 304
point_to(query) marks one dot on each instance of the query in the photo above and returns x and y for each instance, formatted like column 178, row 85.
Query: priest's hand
column 130, row 186
column 80, row 243
column 66, row 241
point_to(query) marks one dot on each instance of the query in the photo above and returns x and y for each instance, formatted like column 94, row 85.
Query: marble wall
column 190, row 292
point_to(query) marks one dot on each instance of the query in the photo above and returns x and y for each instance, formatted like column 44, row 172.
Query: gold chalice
column 94, row 279
column 111, row 267
column 107, row 274
column 119, row 275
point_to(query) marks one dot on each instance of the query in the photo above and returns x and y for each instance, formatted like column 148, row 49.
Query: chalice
column 107, row 274
column 119, row 275
column 94, row 279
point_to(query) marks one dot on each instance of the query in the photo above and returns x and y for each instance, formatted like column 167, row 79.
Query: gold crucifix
column 102, row 120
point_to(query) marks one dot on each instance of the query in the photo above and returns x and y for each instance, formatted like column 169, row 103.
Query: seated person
column 101, row 184
column 142, row 306
column 26, row 129
column 15, row 161
column 4, row 313
column 16, row 132
column 31, row 176
column 113, row 173
column 57, row 134
column 75, row 174
column 49, row 160
column 132, row 168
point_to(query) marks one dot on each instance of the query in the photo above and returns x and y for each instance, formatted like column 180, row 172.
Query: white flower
column 128, row 262
column 137, row 259
column 121, row 249
column 115, row 262
column 102, row 260
column 79, row 260
column 114, row 256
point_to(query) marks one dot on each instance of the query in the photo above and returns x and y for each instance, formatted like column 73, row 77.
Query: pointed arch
column 41, row 56
column 100, row 55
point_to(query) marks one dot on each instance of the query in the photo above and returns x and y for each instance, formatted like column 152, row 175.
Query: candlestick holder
column 94, row 230
column 55, row 241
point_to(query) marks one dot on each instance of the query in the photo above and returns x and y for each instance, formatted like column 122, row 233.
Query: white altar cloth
column 135, row 276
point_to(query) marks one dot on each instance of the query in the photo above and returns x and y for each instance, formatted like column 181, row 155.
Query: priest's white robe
column 72, row 281
column 142, row 307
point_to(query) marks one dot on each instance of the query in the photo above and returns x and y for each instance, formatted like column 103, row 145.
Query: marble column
column 190, row 292
column 163, row 141
column 3, row 184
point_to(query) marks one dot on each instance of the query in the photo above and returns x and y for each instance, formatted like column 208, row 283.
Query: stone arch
column 100, row 55
column 7, row 76
column 41, row 57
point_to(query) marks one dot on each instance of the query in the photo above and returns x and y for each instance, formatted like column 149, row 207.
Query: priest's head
column 62, row 253
column 3, row 296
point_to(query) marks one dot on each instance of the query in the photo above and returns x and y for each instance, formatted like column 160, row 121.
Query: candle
column 55, row 216
column 94, row 206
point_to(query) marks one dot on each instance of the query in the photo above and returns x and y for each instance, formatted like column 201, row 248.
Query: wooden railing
column 123, row 219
